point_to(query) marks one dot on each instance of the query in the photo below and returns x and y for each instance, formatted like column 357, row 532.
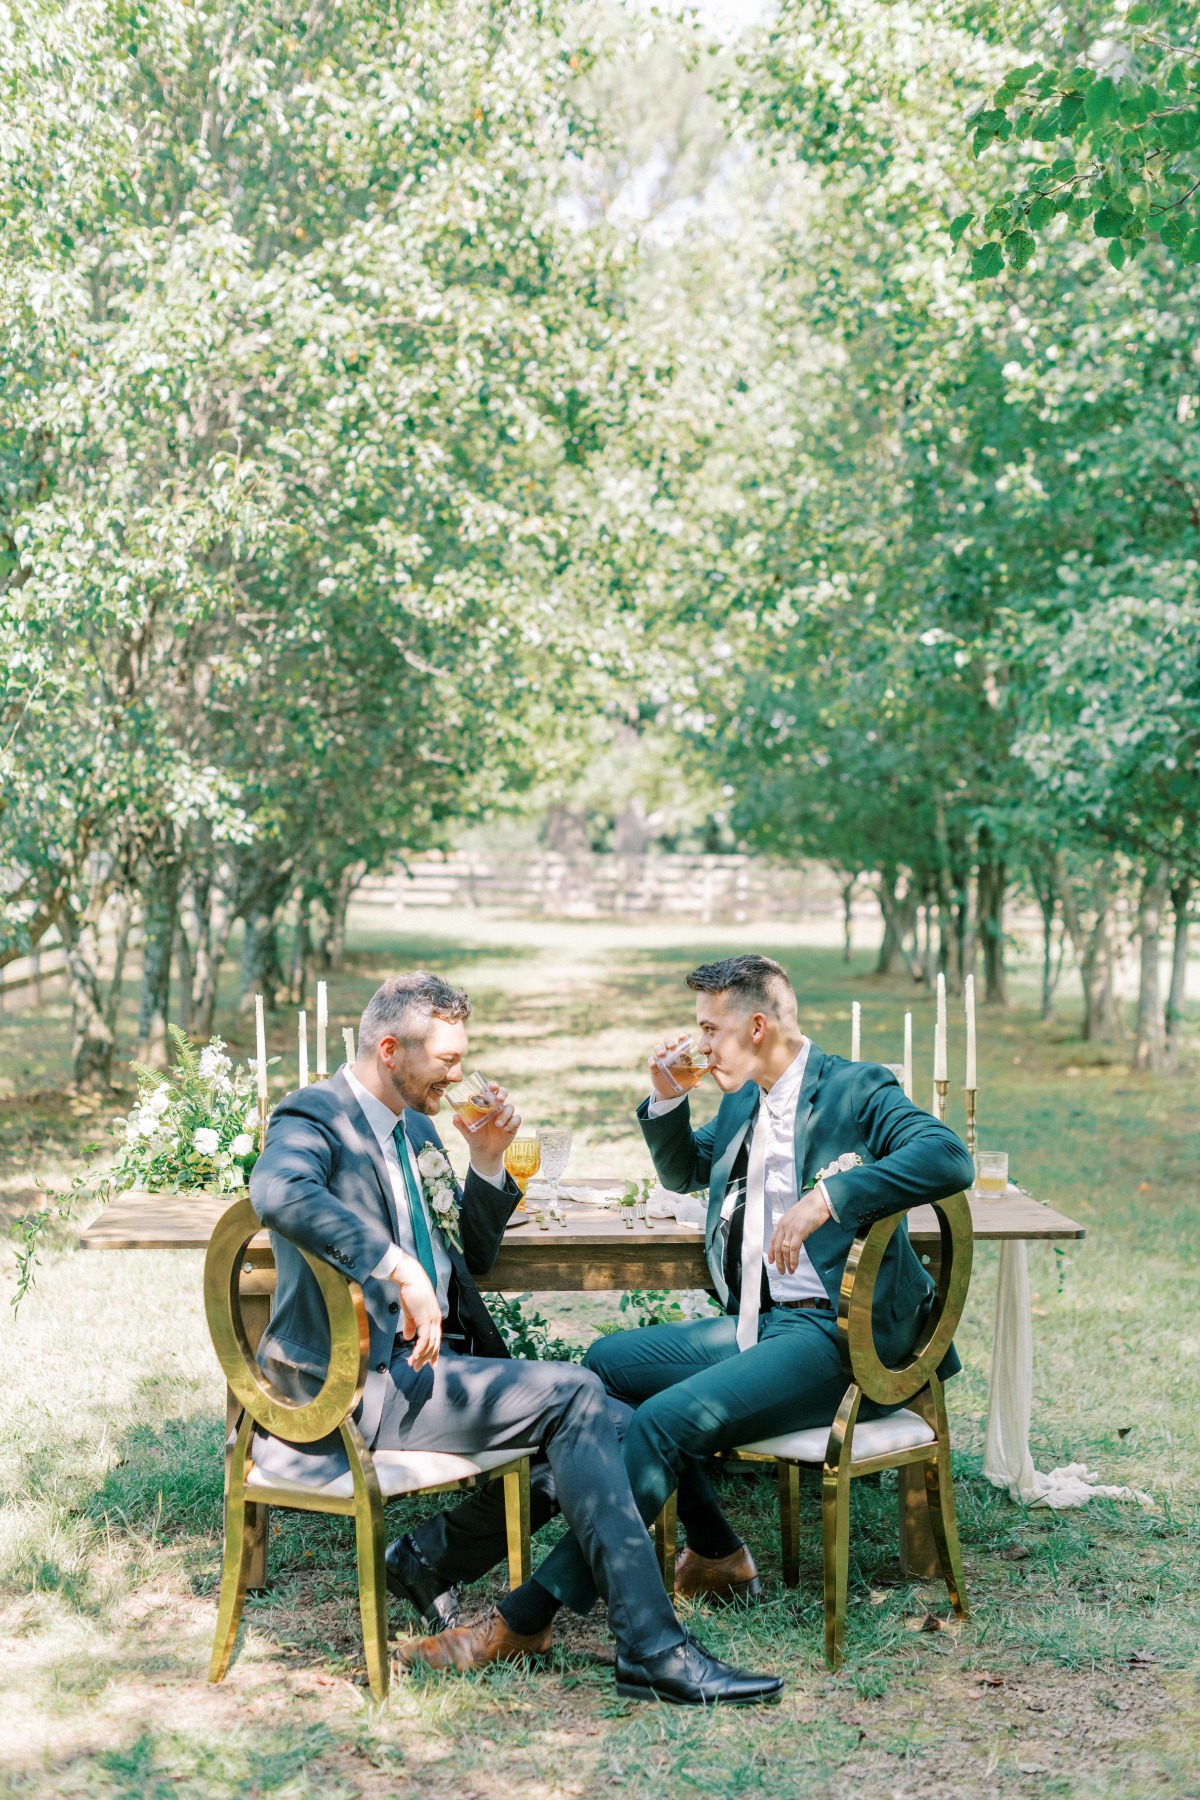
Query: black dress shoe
column 409, row 1577
column 686, row 1675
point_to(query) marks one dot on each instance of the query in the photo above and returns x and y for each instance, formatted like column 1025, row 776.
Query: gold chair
column 848, row 1448
column 372, row 1478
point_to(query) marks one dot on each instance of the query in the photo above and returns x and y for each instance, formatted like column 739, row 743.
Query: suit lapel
column 804, row 1106
column 363, row 1140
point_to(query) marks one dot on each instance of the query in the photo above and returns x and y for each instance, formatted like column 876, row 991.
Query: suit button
column 393, row 1306
column 381, row 1368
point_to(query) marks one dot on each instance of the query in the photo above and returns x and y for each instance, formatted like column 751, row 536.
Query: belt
column 810, row 1303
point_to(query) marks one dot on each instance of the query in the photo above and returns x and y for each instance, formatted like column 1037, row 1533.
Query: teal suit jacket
column 908, row 1159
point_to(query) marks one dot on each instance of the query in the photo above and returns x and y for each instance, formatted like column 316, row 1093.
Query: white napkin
column 593, row 1196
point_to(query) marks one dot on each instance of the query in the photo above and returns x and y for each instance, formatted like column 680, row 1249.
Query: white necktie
column 753, row 1225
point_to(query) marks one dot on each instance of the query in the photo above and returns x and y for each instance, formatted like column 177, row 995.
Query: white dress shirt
column 781, row 1178
column 383, row 1122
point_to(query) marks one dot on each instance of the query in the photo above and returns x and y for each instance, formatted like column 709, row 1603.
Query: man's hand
column 492, row 1139
column 420, row 1312
column 798, row 1222
column 660, row 1081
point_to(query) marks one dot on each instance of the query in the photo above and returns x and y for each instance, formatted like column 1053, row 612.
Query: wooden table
column 593, row 1251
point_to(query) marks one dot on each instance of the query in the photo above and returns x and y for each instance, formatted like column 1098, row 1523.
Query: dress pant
column 695, row 1393
column 468, row 1403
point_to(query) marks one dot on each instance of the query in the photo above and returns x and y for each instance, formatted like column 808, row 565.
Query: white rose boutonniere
column 437, row 1181
column 847, row 1160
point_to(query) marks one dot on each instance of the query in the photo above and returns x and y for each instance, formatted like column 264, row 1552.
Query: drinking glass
column 473, row 1101
column 991, row 1173
column 523, row 1159
column 684, row 1065
column 556, row 1151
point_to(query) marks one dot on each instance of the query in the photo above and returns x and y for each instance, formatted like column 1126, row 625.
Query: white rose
column 207, row 1141
column 212, row 1063
column 132, row 1133
column 242, row 1144
column 431, row 1162
column 443, row 1200
column 159, row 1101
column 147, row 1124
column 848, row 1160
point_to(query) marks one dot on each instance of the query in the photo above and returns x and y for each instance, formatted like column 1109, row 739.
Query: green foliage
column 526, row 1332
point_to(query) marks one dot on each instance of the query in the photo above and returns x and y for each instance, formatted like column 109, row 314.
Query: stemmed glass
column 556, row 1151
column 522, row 1159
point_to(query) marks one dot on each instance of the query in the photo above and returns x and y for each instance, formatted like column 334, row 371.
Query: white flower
column 242, row 1144
column 132, row 1133
column 207, row 1141
column 159, row 1101
column 213, row 1063
column 848, row 1160
column 442, row 1199
column 147, row 1124
column 432, row 1163
column 251, row 1118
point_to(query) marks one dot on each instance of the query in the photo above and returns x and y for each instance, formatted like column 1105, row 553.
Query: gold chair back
column 300, row 1421
column 856, row 1333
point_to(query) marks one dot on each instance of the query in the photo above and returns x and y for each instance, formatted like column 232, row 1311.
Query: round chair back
column 856, row 1333
column 299, row 1421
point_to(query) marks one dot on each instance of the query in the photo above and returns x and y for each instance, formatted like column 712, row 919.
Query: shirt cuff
column 659, row 1106
column 824, row 1193
column 386, row 1268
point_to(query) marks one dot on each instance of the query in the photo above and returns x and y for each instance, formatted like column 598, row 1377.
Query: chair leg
column 939, row 1486
column 835, row 1523
column 789, row 1521
column 516, row 1523
column 665, row 1534
column 370, row 1545
column 241, row 1517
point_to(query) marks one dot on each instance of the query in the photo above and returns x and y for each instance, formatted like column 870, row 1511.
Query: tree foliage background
column 404, row 406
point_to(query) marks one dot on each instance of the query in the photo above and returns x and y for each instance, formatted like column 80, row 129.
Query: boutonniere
column 847, row 1161
column 437, row 1180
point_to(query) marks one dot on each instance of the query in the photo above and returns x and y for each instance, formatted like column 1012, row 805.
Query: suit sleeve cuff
column 388, row 1265
column 658, row 1106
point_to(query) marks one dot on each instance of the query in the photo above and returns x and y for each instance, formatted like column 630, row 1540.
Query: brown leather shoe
column 473, row 1646
column 725, row 1578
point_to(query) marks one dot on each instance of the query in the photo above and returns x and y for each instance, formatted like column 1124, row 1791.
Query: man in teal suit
column 805, row 1150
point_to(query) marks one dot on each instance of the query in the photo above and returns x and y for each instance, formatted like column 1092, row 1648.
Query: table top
column 186, row 1221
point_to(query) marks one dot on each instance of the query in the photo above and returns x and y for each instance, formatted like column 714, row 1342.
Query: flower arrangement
column 437, row 1179
column 195, row 1126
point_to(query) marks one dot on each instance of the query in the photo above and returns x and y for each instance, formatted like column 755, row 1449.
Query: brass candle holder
column 264, row 1110
column 941, row 1090
column 972, row 1138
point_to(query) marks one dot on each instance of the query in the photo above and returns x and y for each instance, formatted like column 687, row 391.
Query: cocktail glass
column 473, row 1101
column 556, row 1153
column 991, row 1173
column 684, row 1065
column 522, row 1159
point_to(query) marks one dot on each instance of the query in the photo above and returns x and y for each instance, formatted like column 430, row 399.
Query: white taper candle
column 322, row 1030
column 970, row 999
column 908, row 1085
column 261, row 1034
column 855, row 1031
column 940, row 1068
column 303, row 1049
column 348, row 1040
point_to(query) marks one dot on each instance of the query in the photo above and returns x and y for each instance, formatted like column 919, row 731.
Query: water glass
column 556, row 1152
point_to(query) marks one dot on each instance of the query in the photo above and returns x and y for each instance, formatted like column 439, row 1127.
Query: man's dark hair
column 758, row 981
column 404, row 1005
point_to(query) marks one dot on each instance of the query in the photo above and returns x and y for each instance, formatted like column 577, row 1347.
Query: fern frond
column 186, row 1054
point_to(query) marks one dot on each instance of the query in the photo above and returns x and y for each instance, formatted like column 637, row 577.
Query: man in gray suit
column 354, row 1173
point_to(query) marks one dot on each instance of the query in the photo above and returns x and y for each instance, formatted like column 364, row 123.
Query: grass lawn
column 1076, row 1675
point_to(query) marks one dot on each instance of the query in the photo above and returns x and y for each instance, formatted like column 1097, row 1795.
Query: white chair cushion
column 902, row 1430
column 397, row 1471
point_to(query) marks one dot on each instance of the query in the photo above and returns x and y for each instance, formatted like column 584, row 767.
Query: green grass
column 1084, row 1623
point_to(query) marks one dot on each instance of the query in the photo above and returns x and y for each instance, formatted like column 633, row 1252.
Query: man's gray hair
column 404, row 1005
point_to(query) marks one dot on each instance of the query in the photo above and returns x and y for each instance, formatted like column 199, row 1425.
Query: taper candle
column 303, row 1049
column 348, row 1041
column 970, row 999
column 855, row 1031
column 940, row 1071
column 908, row 1082
column 322, row 1030
column 261, row 1033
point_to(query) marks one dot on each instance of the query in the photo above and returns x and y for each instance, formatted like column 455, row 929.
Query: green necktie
column 416, row 1211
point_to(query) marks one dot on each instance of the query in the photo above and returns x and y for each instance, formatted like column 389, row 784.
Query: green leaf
column 1071, row 108
column 1041, row 212
column 959, row 225
column 1175, row 229
column 1181, row 131
column 1191, row 250
column 1019, row 246
column 1116, row 254
column 987, row 261
column 1049, row 126
column 1113, row 217
column 1102, row 103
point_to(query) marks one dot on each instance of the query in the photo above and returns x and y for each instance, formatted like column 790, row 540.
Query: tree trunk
column 208, row 919
column 898, row 920
column 261, row 973
column 301, row 955
column 1181, row 896
column 93, row 1009
column 160, row 912
column 847, row 920
column 1102, row 1021
column 992, row 883
column 347, row 883
column 1148, row 1032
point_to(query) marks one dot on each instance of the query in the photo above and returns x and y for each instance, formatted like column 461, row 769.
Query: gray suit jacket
column 321, row 1184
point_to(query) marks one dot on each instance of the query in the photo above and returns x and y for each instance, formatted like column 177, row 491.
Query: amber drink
column 684, row 1065
column 473, row 1101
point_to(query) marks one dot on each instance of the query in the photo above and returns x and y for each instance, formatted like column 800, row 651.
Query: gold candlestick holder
column 264, row 1112
column 941, row 1090
column 972, row 1138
